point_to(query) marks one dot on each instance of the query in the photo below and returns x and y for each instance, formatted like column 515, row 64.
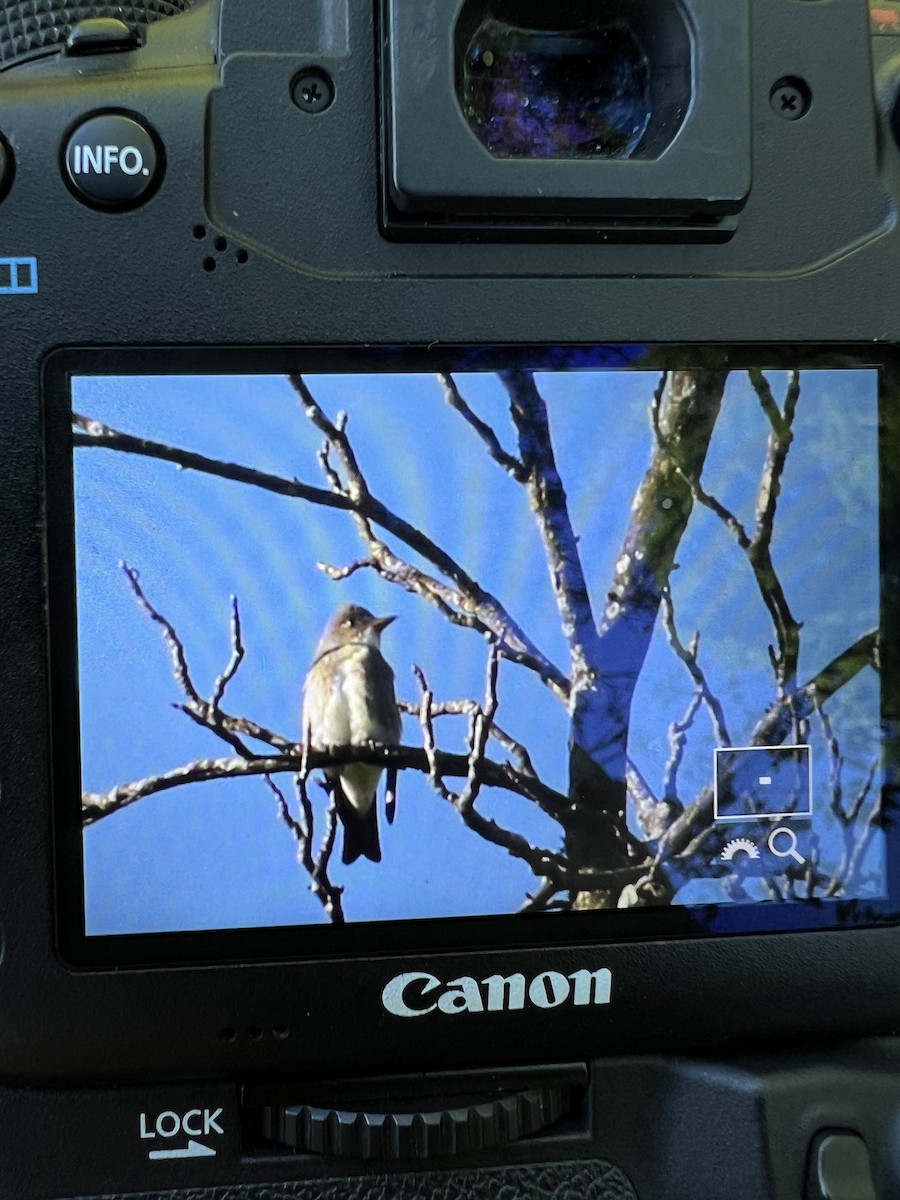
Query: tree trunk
column 685, row 411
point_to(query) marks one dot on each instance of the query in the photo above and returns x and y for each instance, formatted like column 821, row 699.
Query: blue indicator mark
column 18, row 276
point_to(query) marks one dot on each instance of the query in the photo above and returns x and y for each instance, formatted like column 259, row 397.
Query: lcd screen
column 617, row 628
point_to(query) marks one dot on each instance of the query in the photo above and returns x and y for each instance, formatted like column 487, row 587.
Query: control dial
column 382, row 1132
column 32, row 28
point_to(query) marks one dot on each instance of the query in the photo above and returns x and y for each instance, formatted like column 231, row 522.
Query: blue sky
column 216, row 855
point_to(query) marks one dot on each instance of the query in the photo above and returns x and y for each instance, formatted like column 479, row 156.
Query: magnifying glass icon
column 788, row 844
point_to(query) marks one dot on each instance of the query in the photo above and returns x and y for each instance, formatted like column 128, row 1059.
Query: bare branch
column 482, row 720
column 427, row 723
column 450, row 603
column 544, row 863
column 689, row 656
column 512, row 465
column 550, row 508
column 515, row 645
column 767, row 400
column 241, row 726
column 98, row 435
column 467, row 708
column 835, row 767
column 779, row 444
column 320, row 875
column 539, row 900
column 856, row 843
column 678, row 731
column 725, row 515
column 300, row 833
column 758, row 547
column 205, row 713
column 173, row 642
column 208, row 718
column 96, row 805
column 237, row 656
column 656, row 406
column 654, row 815
column 777, row 722
column 328, row 894
column 474, row 602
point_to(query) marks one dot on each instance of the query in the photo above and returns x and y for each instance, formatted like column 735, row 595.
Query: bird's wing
column 390, row 794
column 380, row 680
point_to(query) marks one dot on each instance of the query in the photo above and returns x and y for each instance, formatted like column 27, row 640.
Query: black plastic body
column 813, row 258
column 648, row 1128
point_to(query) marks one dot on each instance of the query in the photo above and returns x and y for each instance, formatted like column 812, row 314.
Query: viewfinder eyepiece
column 556, row 93
column 519, row 115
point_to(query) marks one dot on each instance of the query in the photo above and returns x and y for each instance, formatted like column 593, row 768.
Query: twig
column 689, row 655
column 203, row 712
column 426, row 721
column 457, row 708
column 237, row 656
column 329, row 895
column 99, row 435
column 778, row 720
column 241, row 726
column 173, row 642
column 538, row 901
column 300, row 833
column 512, row 465
column 678, row 731
column 482, row 720
column 854, row 849
column 327, row 848
column 725, row 515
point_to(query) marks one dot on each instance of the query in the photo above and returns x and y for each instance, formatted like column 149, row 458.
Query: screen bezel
column 304, row 942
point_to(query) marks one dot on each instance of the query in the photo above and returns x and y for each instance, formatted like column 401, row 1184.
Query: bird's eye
column 347, row 622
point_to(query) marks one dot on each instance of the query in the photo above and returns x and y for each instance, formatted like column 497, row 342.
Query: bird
column 349, row 700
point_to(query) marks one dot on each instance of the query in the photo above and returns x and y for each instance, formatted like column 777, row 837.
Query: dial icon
column 739, row 846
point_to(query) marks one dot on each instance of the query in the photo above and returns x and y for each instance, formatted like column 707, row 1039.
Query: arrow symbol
column 192, row 1150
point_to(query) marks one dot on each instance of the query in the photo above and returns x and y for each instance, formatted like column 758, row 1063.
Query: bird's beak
column 380, row 624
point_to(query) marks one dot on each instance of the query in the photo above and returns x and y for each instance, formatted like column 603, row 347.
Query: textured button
column 113, row 161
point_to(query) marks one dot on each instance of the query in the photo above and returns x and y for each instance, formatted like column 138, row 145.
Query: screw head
column 312, row 91
column 790, row 98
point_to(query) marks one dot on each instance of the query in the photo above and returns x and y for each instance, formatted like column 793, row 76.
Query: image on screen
column 392, row 645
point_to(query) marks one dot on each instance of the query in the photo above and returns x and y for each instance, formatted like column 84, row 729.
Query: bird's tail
column 360, row 832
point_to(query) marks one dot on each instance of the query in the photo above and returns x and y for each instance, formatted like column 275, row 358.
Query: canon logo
column 418, row 992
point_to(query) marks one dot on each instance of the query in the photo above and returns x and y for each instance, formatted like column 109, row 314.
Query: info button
column 113, row 161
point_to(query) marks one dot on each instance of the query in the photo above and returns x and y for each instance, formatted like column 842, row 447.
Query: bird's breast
column 349, row 699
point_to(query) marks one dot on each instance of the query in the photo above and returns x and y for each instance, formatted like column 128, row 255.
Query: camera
column 447, row 562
